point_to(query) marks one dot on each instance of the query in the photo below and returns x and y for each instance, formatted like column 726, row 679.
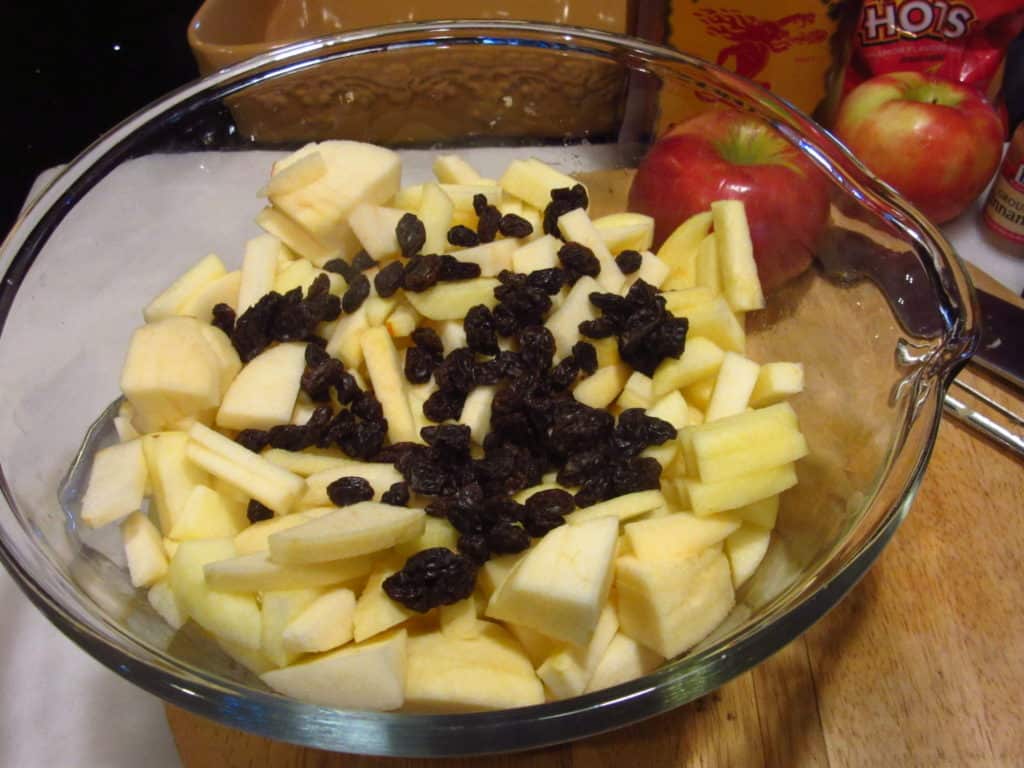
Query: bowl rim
column 672, row 684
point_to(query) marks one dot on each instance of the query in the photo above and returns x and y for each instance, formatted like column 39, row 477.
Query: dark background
column 75, row 70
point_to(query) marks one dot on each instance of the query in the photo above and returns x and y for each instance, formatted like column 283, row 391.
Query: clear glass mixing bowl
column 882, row 323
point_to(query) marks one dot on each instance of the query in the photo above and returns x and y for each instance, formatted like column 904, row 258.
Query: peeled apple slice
column 263, row 393
column 167, row 303
column 117, row 482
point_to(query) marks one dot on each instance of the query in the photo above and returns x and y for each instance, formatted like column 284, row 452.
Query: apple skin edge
column 936, row 142
column 785, row 196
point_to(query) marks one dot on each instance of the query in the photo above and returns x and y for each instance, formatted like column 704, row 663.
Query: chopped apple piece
column 258, row 573
column 277, row 609
column 487, row 671
column 626, row 231
column 577, row 226
column 206, row 515
column 679, row 250
column 451, row 301
column 763, row 513
column 718, row 323
column 607, row 351
column 733, row 385
column 374, row 226
column 366, row 676
column 296, row 274
column 357, row 529
column 671, row 408
column 708, row 273
column 653, row 271
column 345, row 341
column 263, row 393
column 568, row 671
column 746, row 548
column 255, row 538
column 532, row 181
column 566, row 608
column 437, row 532
column 402, row 322
column 565, row 321
column 624, row 507
column 677, row 535
column 259, row 266
column 167, row 304
column 310, row 461
column 678, row 302
column 541, row 253
column 624, row 660
column 223, row 290
column 777, row 381
column 386, row 376
column 171, row 474
column 699, row 394
column 161, row 597
column 602, row 387
column 324, row 624
column 459, row 620
column 294, row 177
column 709, row 498
column 283, row 228
column 126, row 431
column 492, row 258
column 232, row 617
column 375, row 612
column 436, row 214
column 144, row 550
column 453, row 334
column 476, row 412
column 117, row 483
column 740, row 283
column 452, row 169
column 380, row 477
column 671, row 605
column 224, row 351
column 700, row 359
column 638, row 392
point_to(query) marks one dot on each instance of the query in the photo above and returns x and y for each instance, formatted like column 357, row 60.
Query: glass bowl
column 882, row 323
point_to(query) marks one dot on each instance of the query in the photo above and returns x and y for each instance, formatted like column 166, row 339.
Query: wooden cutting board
column 922, row 664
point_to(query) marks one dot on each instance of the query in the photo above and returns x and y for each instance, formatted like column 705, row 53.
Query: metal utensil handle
column 1001, row 434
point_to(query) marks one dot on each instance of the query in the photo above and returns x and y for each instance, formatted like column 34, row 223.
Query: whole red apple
column 727, row 154
column 935, row 141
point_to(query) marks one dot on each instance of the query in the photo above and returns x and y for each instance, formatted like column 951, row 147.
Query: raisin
column 422, row 272
column 505, row 538
column 564, row 374
column 367, row 406
column 578, row 260
column 599, row 328
column 253, row 439
column 501, row 508
column 411, row 234
column 349, row 490
column 389, row 279
column 562, row 201
column 449, row 440
column 318, row 378
column 585, row 355
column 257, row 512
column 318, row 424
column 488, row 223
column 343, row 268
column 536, row 347
column 345, row 388
column 430, row 578
column 364, row 439
column 581, row 465
column 363, row 261
column 463, row 236
column 548, row 280
column 642, row 473
column 289, row 437
column 594, row 489
column 397, row 495
column 355, row 294
column 224, row 318
column 539, row 523
column 455, row 374
column 505, row 322
column 452, row 269
column 442, row 406
column 481, row 336
column 474, row 546
column 553, row 501
column 479, row 203
column 427, row 339
column 419, row 365
column 638, row 428
column 629, row 261
column 252, row 329
column 512, row 225
column 487, row 373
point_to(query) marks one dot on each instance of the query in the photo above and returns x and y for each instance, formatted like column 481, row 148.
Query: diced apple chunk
column 345, row 341
column 677, row 535
column 568, row 671
column 263, row 393
column 740, row 282
column 357, row 529
column 624, row 660
column 680, row 300
column 171, row 474
column 380, row 477
column 541, row 253
column 259, row 265
column 777, row 381
column 195, row 279
column 564, row 322
column 223, row 290
column 324, row 624
column 701, row 358
column 763, row 513
column 746, row 548
column 117, row 483
column 626, row 231
column 671, row 605
column 717, row 322
column 288, row 231
column 624, row 507
column 254, row 538
column 309, row 461
column 277, row 609
column 163, row 600
column 436, row 214
column 733, row 385
column 437, row 532
column 679, row 250
column 709, row 498
column 638, row 392
column 476, row 412
column 144, row 550
column 451, row 301
column 602, row 387
column 375, row 612
column 566, row 608
column 492, row 258
column 206, row 515
column 652, row 271
column 258, row 573
column 386, row 376
column 577, row 226
column 367, row 676
column 374, row 226
column 452, row 169
column 532, row 181
column 708, row 273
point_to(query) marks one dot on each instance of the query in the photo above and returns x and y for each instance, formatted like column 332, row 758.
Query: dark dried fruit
column 411, row 234
column 463, row 236
column 488, row 223
column 397, row 495
column 578, row 260
column 367, row 406
column 536, row 347
column 451, row 442
column 343, row 268
column 539, row 523
column 322, row 372
column 519, row 304
column 585, row 355
column 562, row 201
column 290, row 437
column 419, row 365
column 594, row 489
column 629, row 261
column 513, row 225
column 253, row 439
column 564, row 374
column 442, row 406
column 505, row 538
column 642, row 473
column 474, row 546
column 364, row 439
column 252, row 329
column 548, row 280
column 355, row 294
column 257, row 512
column 224, row 318
column 389, row 279
column 452, row 269
column 349, row 490
column 599, row 328
column 422, row 272
column 479, row 203
column 636, row 430
column 363, row 261
column 481, row 336
column 430, row 578
column 456, row 375
column 427, row 339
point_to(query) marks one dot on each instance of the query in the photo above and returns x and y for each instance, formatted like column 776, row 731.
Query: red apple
column 727, row 154
column 935, row 141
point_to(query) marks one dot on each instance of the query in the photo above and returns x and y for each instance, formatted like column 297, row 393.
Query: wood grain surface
column 922, row 664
